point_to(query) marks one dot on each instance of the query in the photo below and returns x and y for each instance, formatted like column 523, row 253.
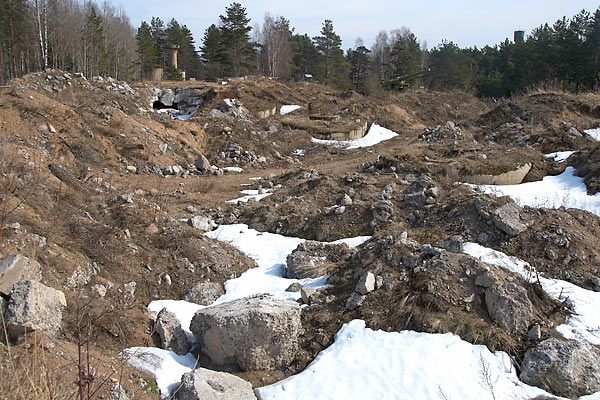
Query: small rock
column 294, row 287
column 486, row 279
column 535, row 333
column 355, row 300
column 346, row 200
column 204, row 293
column 340, row 210
column 204, row 224
column 166, row 279
column 507, row 219
column 172, row 336
column 509, row 307
column 366, row 284
column 307, row 293
column 454, row 244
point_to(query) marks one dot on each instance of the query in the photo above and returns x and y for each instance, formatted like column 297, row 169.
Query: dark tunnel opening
column 158, row 105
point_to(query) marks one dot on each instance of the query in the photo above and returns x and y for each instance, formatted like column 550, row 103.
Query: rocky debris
column 235, row 154
column 448, row 131
column 313, row 259
column 386, row 164
column 508, row 219
column 355, row 300
column 34, row 307
column 172, row 336
column 509, row 307
column 366, row 284
column 346, row 200
column 232, row 108
column 565, row 368
column 421, row 192
column 454, row 244
column 595, row 283
column 204, row 293
column 308, row 294
column 257, row 333
column 15, row 268
column 203, row 224
column 205, row 384
column 117, row 393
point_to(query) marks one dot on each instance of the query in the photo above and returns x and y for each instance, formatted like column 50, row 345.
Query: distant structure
column 172, row 54
column 519, row 36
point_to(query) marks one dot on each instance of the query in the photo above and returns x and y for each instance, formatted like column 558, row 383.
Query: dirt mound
column 587, row 166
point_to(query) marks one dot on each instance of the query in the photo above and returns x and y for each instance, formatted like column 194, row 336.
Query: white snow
column 594, row 133
column 299, row 152
column 233, row 169
column 167, row 366
column 559, row 156
column 250, row 195
column 583, row 325
column 288, row 109
column 367, row 364
column 269, row 251
column 375, row 135
column 564, row 190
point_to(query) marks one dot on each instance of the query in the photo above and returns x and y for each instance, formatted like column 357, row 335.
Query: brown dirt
column 98, row 133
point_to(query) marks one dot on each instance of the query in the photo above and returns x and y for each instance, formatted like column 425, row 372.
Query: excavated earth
column 99, row 204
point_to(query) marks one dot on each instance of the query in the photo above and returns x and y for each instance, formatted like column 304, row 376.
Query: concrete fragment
column 366, row 284
column 508, row 219
column 204, row 293
column 509, row 307
column 172, row 336
column 15, row 268
column 205, row 384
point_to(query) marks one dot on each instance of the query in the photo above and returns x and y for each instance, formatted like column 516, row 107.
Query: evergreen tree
column 147, row 50
column 212, row 52
column 157, row 30
column 305, row 56
column 235, row 39
column 359, row 66
column 95, row 55
column 329, row 46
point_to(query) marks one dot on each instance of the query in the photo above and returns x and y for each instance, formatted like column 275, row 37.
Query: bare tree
column 276, row 52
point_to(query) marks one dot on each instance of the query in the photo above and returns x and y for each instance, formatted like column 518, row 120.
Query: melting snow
column 583, row 325
column 564, row 190
column 367, row 364
column 594, row 133
column 250, row 195
column 376, row 134
column 288, row 109
column 559, row 156
column 233, row 169
column 165, row 365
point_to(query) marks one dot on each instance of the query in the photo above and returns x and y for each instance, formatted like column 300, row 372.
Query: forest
column 98, row 39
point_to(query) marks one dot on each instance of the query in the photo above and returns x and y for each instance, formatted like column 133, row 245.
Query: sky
column 467, row 23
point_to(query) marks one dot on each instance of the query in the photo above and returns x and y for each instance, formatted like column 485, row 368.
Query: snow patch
column 233, row 169
column 564, row 190
column 376, row 134
column 559, row 156
column 167, row 366
column 594, row 133
column 250, row 195
column 367, row 364
column 288, row 109
column 584, row 324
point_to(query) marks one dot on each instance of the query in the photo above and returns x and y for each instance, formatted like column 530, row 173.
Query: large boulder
column 202, row 164
column 509, row 307
column 34, row 307
column 204, row 384
column 15, row 268
column 314, row 259
column 565, row 368
column 204, row 293
column 256, row 333
column 172, row 336
column 508, row 219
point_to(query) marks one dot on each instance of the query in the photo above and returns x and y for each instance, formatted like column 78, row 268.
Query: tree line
column 71, row 35
column 81, row 36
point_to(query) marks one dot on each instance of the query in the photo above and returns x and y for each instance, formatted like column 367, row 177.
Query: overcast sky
column 465, row 22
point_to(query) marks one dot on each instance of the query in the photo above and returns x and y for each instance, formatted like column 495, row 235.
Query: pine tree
column 146, row 48
column 212, row 52
column 305, row 56
column 95, row 56
column 359, row 66
column 328, row 45
column 236, row 39
column 157, row 30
